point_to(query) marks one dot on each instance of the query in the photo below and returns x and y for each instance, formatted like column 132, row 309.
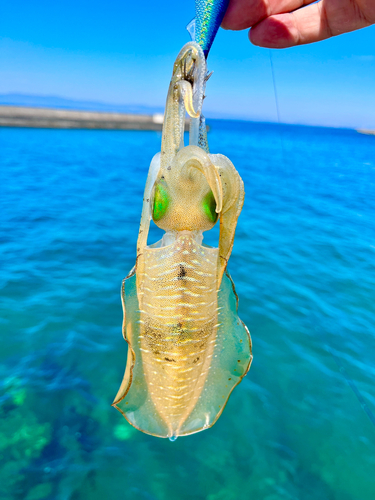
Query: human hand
column 277, row 24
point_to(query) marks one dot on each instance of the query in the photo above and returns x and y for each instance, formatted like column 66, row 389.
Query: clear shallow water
column 298, row 427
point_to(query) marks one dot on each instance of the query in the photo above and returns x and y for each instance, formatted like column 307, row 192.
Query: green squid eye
column 161, row 202
column 209, row 207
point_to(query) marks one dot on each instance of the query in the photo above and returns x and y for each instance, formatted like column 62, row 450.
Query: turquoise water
column 301, row 424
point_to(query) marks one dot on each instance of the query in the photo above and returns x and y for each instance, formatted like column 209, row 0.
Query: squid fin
column 133, row 399
column 231, row 361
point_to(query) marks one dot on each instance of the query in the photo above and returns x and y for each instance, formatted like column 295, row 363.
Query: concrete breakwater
column 366, row 131
column 18, row 116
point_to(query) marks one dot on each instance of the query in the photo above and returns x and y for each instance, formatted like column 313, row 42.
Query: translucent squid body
column 188, row 348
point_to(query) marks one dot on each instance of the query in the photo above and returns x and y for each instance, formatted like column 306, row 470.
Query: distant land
column 56, row 102
column 152, row 112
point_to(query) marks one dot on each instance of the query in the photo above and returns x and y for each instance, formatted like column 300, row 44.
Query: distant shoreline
column 61, row 118
column 35, row 117
column 366, row 131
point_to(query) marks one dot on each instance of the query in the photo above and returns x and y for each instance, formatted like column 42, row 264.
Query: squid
column 187, row 347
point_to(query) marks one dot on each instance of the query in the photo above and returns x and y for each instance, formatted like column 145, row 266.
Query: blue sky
column 123, row 52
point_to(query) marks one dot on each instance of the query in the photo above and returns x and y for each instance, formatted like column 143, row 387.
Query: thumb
column 307, row 25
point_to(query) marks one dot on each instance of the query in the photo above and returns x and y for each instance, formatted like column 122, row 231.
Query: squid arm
column 233, row 199
column 185, row 93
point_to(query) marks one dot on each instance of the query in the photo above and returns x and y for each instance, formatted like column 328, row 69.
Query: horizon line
column 16, row 98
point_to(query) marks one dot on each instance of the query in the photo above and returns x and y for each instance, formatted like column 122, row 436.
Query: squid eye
column 161, row 202
column 209, row 207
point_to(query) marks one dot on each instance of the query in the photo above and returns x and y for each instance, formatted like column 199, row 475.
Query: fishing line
column 274, row 87
column 277, row 109
column 361, row 400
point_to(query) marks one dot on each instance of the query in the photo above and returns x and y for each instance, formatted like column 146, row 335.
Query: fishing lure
column 209, row 14
column 187, row 347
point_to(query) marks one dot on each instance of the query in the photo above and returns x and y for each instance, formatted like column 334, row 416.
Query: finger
column 242, row 14
column 307, row 25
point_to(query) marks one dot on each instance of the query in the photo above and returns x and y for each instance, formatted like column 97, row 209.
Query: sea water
column 301, row 424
